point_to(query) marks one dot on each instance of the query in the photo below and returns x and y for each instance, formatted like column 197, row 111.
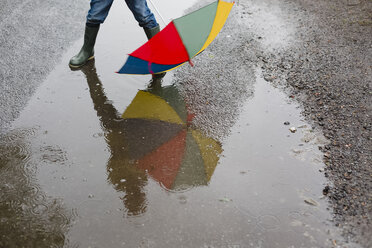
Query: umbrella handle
column 156, row 9
column 191, row 63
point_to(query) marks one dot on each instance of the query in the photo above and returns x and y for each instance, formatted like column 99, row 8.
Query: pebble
column 293, row 129
column 311, row 202
column 225, row 199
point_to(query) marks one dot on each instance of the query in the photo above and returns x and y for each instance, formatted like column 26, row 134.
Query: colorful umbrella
column 160, row 141
column 179, row 41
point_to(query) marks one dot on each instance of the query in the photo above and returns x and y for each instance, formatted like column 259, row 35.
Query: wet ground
column 27, row 30
column 206, row 159
column 329, row 72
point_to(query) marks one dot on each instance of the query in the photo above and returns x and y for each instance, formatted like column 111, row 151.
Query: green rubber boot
column 87, row 51
column 151, row 32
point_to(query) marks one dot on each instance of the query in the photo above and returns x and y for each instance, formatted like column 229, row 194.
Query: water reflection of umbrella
column 179, row 41
column 159, row 140
column 139, row 142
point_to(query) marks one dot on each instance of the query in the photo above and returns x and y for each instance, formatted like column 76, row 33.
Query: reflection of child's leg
column 155, row 83
column 106, row 112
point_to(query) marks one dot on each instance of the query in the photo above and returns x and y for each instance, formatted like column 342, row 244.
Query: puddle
column 277, row 172
column 123, row 185
column 97, row 159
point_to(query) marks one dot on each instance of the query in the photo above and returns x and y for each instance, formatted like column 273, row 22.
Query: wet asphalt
column 33, row 36
column 67, row 180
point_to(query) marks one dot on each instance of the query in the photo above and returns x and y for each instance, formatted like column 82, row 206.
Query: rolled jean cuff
column 142, row 13
column 93, row 25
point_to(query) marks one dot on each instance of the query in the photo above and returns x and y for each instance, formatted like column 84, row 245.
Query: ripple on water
column 14, row 146
column 53, row 155
column 181, row 188
column 15, row 154
column 32, row 218
column 39, row 209
column 268, row 222
column 34, row 192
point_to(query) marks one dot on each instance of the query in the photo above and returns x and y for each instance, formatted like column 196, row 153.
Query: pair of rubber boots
column 87, row 51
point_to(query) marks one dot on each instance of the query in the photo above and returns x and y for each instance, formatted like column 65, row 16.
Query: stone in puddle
column 311, row 202
column 293, row 129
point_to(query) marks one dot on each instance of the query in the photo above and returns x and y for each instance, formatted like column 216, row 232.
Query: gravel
column 328, row 71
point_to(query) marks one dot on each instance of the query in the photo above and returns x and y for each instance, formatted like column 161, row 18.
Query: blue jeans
column 99, row 10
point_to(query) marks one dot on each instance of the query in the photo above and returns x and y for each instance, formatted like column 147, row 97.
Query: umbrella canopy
column 161, row 142
column 179, row 41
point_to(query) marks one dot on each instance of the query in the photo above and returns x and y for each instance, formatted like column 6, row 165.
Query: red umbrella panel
column 179, row 41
